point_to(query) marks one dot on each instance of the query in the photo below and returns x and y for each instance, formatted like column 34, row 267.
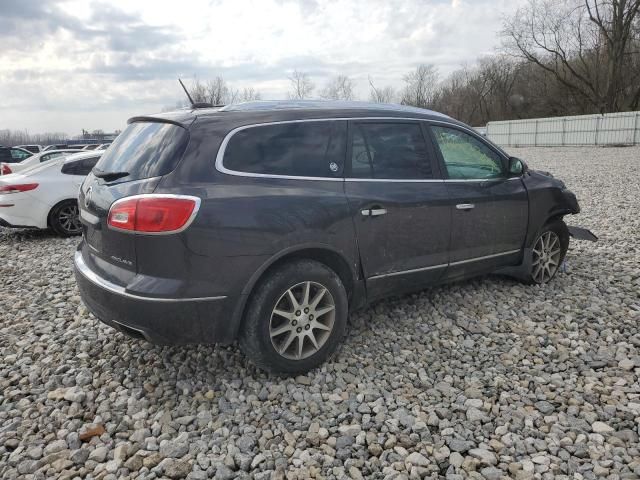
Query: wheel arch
column 56, row 205
column 321, row 253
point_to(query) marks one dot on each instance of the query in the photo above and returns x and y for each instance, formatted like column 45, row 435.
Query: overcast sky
column 68, row 65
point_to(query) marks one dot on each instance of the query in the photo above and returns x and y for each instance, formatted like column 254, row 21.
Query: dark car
column 268, row 222
column 13, row 154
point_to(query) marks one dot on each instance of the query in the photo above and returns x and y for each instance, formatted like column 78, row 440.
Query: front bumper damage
column 579, row 233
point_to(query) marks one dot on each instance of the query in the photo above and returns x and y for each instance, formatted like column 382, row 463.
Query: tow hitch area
column 580, row 233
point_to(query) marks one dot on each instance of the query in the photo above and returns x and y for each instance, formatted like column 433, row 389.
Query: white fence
column 608, row 129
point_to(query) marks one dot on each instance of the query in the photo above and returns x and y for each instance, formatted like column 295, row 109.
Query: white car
column 46, row 196
column 32, row 161
column 31, row 148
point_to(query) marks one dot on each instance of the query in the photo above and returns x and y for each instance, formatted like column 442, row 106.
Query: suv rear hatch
column 134, row 164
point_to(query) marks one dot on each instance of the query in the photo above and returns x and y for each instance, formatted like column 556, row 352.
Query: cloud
column 74, row 56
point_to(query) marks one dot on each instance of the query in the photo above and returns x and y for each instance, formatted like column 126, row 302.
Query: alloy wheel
column 302, row 320
column 546, row 257
column 69, row 219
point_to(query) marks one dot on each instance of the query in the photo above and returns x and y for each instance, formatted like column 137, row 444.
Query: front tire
column 548, row 252
column 296, row 318
column 64, row 219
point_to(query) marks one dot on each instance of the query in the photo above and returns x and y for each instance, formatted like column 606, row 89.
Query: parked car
column 91, row 146
column 31, row 148
column 45, row 196
column 103, row 146
column 268, row 222
column 29, row 162
column 57, row 146
column 13, row 154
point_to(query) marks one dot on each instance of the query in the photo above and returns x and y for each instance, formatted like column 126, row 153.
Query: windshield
column 144, row 150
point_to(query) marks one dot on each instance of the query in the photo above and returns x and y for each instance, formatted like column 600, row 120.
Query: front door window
column 466, row 157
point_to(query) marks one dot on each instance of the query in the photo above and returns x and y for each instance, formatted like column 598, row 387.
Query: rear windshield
column 144, row 150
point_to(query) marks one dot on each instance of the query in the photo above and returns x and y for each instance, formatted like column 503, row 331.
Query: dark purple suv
column 268, row 222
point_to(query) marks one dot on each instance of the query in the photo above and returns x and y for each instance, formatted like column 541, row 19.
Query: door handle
column 373, row 212
column 465, row 206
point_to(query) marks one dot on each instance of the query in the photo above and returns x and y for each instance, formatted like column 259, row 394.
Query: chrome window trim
column 197, row 200
column 404, row 272
column 430, row 180
column 219, row 161
column 452, row 264
column 223, row 146
column 486, row 257
column 90, row 275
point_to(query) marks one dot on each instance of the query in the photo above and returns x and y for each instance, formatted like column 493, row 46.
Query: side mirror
column 517, row 167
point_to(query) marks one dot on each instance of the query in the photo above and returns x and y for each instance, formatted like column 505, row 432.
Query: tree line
column 557, row 57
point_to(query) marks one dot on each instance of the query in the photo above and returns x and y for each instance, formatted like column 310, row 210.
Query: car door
column 399, row 205
column 489, row 208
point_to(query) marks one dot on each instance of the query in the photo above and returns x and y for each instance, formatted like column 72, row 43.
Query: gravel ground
column 481, row 379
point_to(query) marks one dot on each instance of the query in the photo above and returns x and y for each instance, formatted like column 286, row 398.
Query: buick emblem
column 87, row 197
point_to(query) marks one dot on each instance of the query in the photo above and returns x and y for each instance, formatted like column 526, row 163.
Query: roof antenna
column 194, row 104
column 187, row 92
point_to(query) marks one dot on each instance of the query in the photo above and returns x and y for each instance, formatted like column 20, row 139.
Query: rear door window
column 145, row 150
column 301, row 149
column 389, row 151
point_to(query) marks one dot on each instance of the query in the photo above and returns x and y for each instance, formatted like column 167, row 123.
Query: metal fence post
column 564, row 121
column 535, row 135
column 597, row 129
column 509, row 135
column 636, row 130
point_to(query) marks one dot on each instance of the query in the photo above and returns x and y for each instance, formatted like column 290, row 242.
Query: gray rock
column 246, row 443
column 79, row 456
column 174, row 449
column 99, row 454
column 417, row 459
column 177, row 468
column 485, row 457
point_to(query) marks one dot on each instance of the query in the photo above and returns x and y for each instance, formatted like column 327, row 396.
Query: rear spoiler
column 185, row 123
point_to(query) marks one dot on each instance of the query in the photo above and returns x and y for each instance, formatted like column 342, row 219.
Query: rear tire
column 64, row 219
column 547, row 252
column 295, row 319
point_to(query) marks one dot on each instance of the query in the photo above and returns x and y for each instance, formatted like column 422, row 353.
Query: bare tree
column 381, row 95
column 589, row 47
column 420, row 86
column 301, row 86
column 249, row 94
column 10, row 138
column 339, row 88
column 219, row 92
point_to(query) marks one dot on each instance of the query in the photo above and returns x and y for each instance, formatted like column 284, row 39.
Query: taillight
column 24, row 187
column 153, row 214
column 5, row 169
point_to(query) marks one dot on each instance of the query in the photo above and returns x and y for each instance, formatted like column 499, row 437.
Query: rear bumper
column 19, row 210
column 167, row 321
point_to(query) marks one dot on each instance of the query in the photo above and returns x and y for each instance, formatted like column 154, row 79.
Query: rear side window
column 389, row 151
column 301, row 149
column 13, row 155
column 145, row 149
column 48, row 156
column 80, row 167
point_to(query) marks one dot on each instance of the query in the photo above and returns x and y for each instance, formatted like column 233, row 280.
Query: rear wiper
column 108, row 176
